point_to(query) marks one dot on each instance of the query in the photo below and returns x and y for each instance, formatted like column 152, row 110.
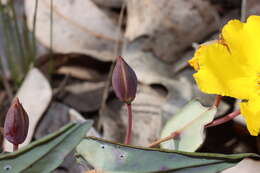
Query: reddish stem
column 15, row 147
column 217, row 100
column 129, row 128
column 224, row 119
column 167, row 138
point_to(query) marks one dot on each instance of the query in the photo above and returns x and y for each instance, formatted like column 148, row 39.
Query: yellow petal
column 219, row 72
column 230, row 66
column 243, row 40
column 194, row 62
column 251, row 112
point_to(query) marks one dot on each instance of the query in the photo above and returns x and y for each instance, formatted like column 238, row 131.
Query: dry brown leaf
column 79, row 26
column 85, row 97
column 54, row 118
column 79, row 72
column 149, row 69
column 76, row 117
column 35, row 95
column 170, row 26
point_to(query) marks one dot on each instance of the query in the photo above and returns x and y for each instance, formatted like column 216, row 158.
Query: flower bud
column 124, row 81
column 16, row 123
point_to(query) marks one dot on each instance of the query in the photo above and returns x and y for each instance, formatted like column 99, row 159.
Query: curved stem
column 167, row 138
column 224, row 119
column 129, row 128
column 217, row 100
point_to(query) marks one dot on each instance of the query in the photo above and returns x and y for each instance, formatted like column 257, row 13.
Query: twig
column 181, row 68
column 51, row 61
column 224, row 119
column 117, row 52
column 61, row 86
column 243, row 10
column 34, row 30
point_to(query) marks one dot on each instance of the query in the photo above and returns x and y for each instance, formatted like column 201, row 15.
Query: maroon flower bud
column 124, row 81
column 16, row 123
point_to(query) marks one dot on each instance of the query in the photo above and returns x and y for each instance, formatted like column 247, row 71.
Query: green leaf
column 190, row 122
column 117, row 158
column 46, row 154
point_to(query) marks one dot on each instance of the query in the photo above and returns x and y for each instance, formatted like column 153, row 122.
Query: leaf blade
column 190, row 122
column 115, row 158
column 46, row 154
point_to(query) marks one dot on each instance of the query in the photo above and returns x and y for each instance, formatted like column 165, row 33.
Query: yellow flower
column 231, row 67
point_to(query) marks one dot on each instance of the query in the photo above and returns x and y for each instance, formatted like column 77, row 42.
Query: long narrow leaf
column 117, row 158
column 46, row 154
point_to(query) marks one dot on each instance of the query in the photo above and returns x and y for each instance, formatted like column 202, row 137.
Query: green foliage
column 190, row 122
column 46, row 154
column 117, row 158
column 18, row 45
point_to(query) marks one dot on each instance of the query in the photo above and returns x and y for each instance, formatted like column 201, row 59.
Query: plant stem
column 217, row 100
column 129, row 128
column 34, row 32
column 167, row 138
column 18, row 38
column 15, row 147
column 51, row 62
column 224, row 119
column 213, row 123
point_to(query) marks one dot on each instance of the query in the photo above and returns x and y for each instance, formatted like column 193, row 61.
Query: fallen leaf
column 54, row 118
column 245, row 166
column 85, row 68
column 35, row 95
column 170, row 26
column 149, row 69
column 84, row 97
column 78, row 26
column 78, row 72
column 76, row 117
